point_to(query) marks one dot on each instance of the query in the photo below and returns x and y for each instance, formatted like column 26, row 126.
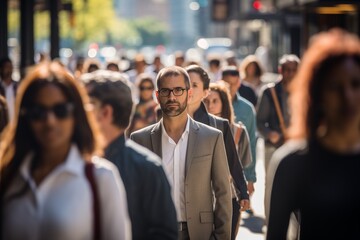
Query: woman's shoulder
column 103, row 167
column 289, row 154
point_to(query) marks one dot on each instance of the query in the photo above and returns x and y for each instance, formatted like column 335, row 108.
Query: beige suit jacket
column 207, row 184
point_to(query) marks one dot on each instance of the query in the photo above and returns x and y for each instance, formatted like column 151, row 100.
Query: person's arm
column 246, row 157
column 221, row 186
column 235, row 166
column 158, row 204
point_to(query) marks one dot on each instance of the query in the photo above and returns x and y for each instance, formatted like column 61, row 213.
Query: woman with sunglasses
column 316, row 172
column 145, row 113
column 51, row 185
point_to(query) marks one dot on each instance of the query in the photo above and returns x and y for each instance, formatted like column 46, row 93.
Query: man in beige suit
column 194, row 159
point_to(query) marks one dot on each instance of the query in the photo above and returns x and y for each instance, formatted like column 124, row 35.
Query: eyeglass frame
column 172, row 91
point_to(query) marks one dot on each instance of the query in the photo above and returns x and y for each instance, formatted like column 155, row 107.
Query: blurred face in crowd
column 341, row 96
column 288, row 71
column 199, row 93
column 146, row 90
column 213, row 103
column 6, row 70
column 251, row 70
column 234, row 83
column 173, row 96
column 51, row 118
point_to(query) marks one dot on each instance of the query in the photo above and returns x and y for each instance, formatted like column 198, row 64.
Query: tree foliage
column 94, row 21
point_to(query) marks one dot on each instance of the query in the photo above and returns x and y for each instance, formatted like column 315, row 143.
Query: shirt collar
column 74, row 163
column 187, row 128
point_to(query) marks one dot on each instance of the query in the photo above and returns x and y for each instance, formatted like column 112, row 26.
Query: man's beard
column 173, row 111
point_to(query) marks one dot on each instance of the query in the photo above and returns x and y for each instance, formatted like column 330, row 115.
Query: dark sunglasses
column 146, row 88
column 39, row 112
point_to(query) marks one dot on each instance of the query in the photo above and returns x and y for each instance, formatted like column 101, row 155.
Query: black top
column 248, row 93
column 324, row 186
column 151, row 209
column 235, row 167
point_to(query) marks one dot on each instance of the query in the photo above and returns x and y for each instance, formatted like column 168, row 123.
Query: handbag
column 89, row 173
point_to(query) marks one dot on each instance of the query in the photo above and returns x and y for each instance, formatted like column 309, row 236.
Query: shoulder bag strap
column 278, row 110
column 89, row 172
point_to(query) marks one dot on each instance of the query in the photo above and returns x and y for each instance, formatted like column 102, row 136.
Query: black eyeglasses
column 178, row 91
column 39, row 112
column 146, row 88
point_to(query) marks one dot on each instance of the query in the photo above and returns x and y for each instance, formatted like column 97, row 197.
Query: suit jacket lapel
column 156, row 139
column 193, row 134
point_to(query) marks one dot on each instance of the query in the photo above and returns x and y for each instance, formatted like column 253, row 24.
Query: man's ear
column 157, row 96
column 107, row 112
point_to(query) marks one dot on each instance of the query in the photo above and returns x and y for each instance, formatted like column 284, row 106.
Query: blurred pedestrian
column 91, row 65
column 179, row 58
column 251, row 72
column 200, row 81
column 151, row 209
column 317, row 171
column 218, row 102
column 273, row 112
column 51, row 185
column 8, row 86
column 113, row 66
column 245, row 113
column 194, row 158
column 144, row 114
column 214, row 68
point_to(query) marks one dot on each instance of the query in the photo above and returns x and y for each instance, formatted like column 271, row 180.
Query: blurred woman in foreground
column 316, row 173
column 51, row 186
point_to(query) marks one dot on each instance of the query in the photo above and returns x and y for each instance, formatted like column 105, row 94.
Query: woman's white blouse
column 61, row 206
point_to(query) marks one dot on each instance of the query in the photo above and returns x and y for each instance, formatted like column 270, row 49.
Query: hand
column 244, row 204
column 250, row 187
column 274, row 137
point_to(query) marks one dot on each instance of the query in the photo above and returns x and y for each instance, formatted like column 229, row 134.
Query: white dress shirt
column 174, row 159
column 61, row 206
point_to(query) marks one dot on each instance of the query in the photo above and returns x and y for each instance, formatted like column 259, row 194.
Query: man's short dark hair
column 172, row 71
column 113, row 89
column 230, row 71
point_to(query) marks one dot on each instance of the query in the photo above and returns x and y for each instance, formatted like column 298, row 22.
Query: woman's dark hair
column 227, row 110
column 202, row 73
column 19, row 140
column 326, row 50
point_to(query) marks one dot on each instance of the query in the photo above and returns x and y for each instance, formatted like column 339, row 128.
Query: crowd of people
column 169, row 152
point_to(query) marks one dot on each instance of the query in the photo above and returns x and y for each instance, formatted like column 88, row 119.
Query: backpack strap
column 89, row 172
column 278, row 110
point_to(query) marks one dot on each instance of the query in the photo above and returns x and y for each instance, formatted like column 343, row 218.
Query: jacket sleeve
column 221, row 187
column 235, row 166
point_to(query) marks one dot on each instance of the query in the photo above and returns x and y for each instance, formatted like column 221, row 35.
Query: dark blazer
column 266, row 118
column 151, row 209
column 235, row 167
column 207, row 185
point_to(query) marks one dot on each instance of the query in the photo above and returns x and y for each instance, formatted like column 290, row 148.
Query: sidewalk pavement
column 252, row 227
